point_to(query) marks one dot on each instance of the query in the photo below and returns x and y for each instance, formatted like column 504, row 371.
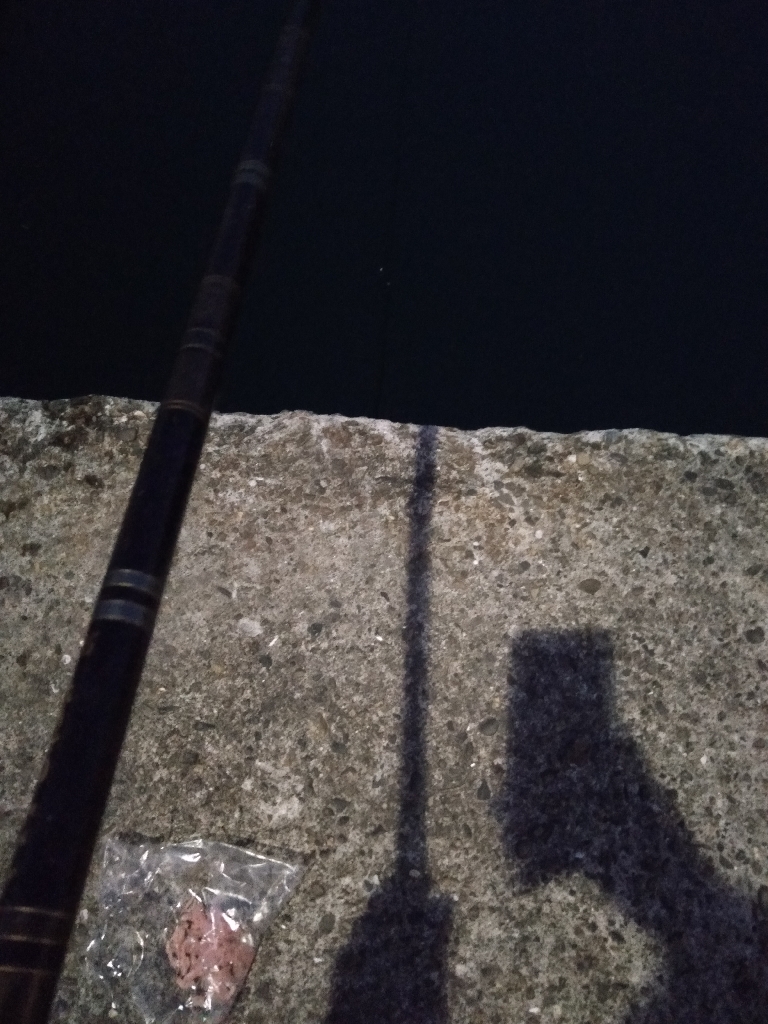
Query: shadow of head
column 579, row 798
column 393, row 967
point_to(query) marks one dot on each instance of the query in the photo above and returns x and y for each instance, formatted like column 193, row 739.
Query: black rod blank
column 51, row 861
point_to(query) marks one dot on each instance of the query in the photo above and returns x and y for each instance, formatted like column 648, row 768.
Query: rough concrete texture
column 591, row 648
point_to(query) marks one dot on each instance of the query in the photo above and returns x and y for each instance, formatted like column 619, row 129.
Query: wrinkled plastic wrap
column 180, row 923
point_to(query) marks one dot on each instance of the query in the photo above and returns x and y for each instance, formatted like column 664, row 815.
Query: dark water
column 490, row 213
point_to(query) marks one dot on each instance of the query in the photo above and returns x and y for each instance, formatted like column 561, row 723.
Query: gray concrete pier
column 504, row 693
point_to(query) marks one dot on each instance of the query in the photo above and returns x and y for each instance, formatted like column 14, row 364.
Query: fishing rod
column 56, row 843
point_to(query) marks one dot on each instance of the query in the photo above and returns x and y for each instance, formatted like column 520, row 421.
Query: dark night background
column 487, row 213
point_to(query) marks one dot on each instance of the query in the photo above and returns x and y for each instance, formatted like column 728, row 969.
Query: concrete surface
column 537, row 793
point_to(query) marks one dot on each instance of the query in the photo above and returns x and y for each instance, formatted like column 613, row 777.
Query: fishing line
column 386, row 270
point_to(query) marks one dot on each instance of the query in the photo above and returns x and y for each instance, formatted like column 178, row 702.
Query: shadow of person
column 393, row 968
column 579, row 798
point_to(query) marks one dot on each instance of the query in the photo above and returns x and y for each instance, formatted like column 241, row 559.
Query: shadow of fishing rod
column 393, row 968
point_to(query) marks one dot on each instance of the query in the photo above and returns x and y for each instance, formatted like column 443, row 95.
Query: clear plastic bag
column 180, row 923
